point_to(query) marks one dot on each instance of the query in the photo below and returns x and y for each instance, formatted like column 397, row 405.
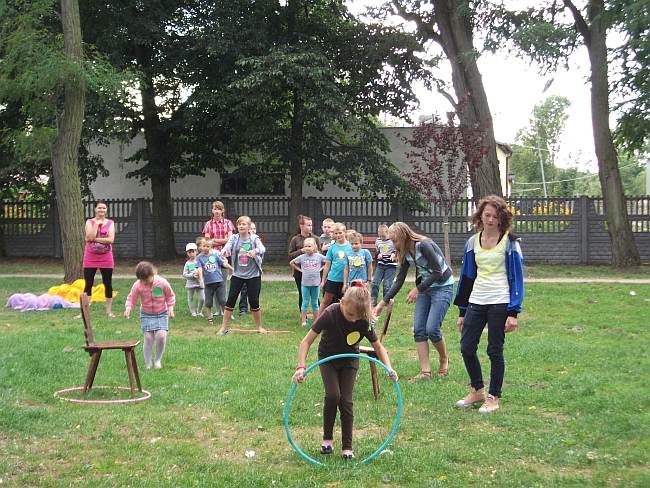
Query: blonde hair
column 244, row 218
column 199, row 241
column 219, row 204
column 357, row 297
column 504, row 215
column 338, row 225
column 328, row 221
column 403, row 236
column 144, row 270
column 354, row 236
column 382, row 226
column 312, row 240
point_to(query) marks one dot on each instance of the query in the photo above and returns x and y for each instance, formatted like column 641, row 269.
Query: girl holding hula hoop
column 343, row 326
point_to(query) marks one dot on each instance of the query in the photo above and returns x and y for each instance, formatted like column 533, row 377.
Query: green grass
column 575, row 410
column 173, row 268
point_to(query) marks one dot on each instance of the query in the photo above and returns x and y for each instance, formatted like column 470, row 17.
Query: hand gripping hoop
column 398, row 415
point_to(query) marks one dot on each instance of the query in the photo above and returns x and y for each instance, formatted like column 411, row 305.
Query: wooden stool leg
column 375, row 380
column 129, row 368
column 92, row 369
column 135, row 368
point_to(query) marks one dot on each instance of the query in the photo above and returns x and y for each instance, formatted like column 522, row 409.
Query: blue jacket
column 514, row 270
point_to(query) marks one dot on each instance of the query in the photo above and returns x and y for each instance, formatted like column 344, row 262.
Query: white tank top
column 491, row 284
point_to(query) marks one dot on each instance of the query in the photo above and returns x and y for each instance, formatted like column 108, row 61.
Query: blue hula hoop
column 398, row 415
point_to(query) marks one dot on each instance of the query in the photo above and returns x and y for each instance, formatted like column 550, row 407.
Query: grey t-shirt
column 310, row 266
column 245, row 266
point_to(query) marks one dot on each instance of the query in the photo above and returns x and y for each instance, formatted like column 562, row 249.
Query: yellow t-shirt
column 491, row 284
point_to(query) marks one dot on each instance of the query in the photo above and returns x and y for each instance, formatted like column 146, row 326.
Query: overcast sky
column 513, row 88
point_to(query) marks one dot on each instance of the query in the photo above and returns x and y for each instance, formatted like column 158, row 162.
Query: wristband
column 300, row 367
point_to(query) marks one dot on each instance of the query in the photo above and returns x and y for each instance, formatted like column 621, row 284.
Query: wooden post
column 583, row 205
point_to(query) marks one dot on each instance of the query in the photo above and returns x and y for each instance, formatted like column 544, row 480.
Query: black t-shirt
column 340, row 336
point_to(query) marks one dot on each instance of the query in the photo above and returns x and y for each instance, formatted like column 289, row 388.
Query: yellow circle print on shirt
column 353, row 337
column 357, row 261
column 341, row 254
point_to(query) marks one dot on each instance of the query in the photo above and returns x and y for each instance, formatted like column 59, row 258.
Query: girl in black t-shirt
column 343, row 326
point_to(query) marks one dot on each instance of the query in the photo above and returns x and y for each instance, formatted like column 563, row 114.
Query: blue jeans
column 383, row 273
column 476, row 317
column 430, row 309
column 309, row 293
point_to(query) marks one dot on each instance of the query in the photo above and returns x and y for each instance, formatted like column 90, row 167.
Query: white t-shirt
column 491, row 284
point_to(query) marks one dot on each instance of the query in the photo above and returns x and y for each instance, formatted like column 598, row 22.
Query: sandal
column 422, row 375
column 444, row 371
column 210, row 321
column 325, row 449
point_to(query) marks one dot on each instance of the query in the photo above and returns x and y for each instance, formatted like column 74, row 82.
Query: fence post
column 583, row 205
column 139, row 225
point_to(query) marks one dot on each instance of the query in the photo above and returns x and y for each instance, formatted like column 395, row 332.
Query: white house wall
column 117, row 185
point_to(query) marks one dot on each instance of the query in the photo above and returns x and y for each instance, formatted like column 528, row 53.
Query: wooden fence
column 553, row 230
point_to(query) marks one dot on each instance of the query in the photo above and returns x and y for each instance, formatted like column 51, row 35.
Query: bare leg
column 257, row 317
column 227, row 315
column 443, row 368
column 423, row 356
column 109, row 307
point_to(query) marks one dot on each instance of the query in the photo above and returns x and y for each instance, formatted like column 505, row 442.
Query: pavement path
column 288, row 277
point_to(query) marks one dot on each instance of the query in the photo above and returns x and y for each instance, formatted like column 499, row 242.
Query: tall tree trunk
column 160, row 173
column 624, row 251
column 65, row 150
column 457, row 42
column 295, row 157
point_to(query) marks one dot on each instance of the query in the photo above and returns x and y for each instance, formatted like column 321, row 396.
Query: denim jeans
column 430, row 309
column 476, row 317
column 383, row 273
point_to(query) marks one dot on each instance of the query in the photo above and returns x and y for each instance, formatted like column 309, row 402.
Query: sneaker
column 199, row 314
column 347, row 454
column 243, row 312
column 193, row 314
column 304, row 324
column 157, row 365
column 474, row 397
column 326, row 449
column 491, row 404
column 218, row 313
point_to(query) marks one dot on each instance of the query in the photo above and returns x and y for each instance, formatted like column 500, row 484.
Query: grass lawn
column 172, row 269
column 575, row 410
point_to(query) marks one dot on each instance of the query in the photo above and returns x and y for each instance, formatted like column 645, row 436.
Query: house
column 117, row 185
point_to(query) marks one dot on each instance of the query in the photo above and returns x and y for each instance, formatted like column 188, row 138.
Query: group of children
column 205, row 283
column 345, row 261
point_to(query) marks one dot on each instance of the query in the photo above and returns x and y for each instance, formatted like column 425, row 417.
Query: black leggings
column 252, row 284
column 338, row 379
column 107, row 279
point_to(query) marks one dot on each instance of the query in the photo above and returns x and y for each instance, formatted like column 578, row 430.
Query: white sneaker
column 474, row 397
column 193, row 314
column 491, row 404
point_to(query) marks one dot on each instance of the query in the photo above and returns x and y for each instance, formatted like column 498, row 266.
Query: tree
column 451, row 24
column 442, row 161
column 538, row 144
column 154, row 39
column 304, row 95
column 27, row 36
column 548, row 37
column 66, row 147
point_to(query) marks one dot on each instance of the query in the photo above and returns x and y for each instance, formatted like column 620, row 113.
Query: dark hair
column 301, row 221
column 144, row 270
column 100, row 201
column 503, row 213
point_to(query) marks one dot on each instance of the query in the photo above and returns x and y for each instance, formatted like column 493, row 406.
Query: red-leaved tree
column 442, row 160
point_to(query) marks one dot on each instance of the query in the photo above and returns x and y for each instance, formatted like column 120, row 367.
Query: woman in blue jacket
column 432, row 295
column 490, row 292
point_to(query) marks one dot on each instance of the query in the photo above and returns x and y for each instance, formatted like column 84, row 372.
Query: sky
column 513, row 88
